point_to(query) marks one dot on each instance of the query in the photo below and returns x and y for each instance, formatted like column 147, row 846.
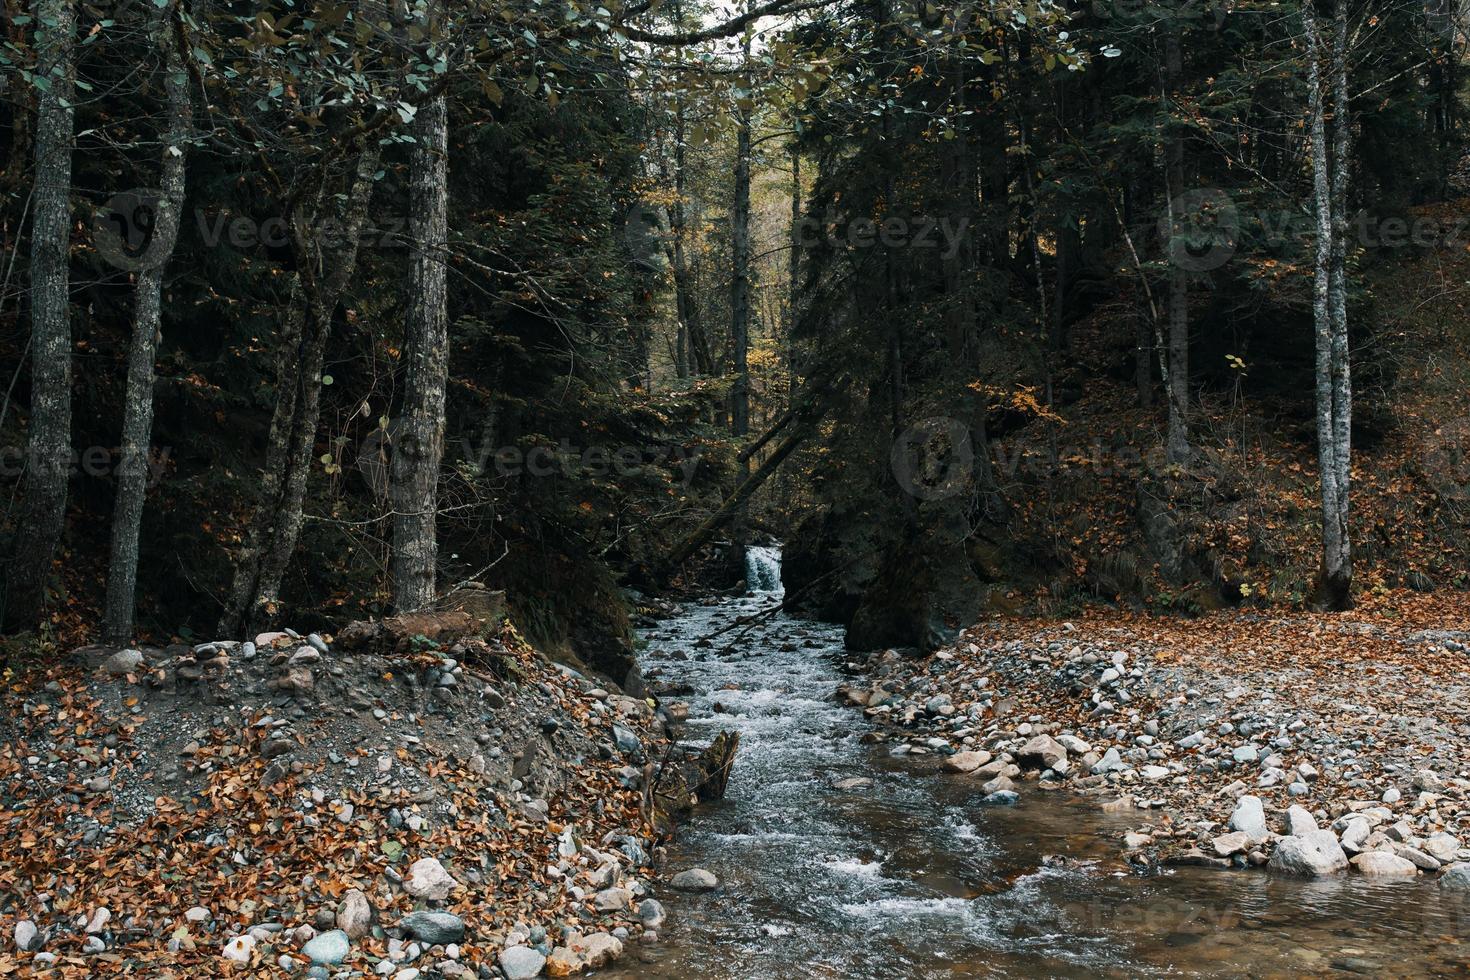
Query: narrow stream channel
column 837, row 860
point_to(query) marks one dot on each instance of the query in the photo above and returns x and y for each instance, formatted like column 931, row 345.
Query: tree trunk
column 1336, row 556
column 48, row 456
column 1178, row 388
column 793, row 275
column 276, row 523
column 1338, row 570
column 137, row 429
column 419, row 443
column 740, row 272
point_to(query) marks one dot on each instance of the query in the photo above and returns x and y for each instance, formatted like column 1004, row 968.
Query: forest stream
column 901, row 874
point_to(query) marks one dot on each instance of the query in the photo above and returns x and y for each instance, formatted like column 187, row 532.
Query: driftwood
column 689, row 775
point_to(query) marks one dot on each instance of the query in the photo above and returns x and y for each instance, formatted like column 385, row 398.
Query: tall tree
column 740, row 255
column 419, row 442
column 132, row 474
column 48, row 457
column 1178, row 374
column 1330, row 166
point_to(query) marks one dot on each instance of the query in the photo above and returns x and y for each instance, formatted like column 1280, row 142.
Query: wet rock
column 328, row 949
column 1316, row 853
column 1001, row 797
column 433, row 928
column 1382, row 864
column 1000, row 784
column 521, row 963
column 427, row 879
column 694, row 880
column 1456, row 877
column 651, row 913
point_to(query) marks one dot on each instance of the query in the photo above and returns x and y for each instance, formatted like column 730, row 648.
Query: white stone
column 427, row 879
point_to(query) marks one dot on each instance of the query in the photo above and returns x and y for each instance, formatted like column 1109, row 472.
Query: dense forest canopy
column 310, row 311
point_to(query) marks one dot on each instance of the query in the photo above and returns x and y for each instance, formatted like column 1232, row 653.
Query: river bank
column 835, row 856
column 427, row 798
column 1311, row 744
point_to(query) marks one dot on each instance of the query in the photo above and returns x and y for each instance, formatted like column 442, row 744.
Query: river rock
column 1456, row 877
column 966, row 761
column 1443, row 847
column 1355, row 833
column 1417, row 857
column 1316, row 853
column 694, row 880
column 613, row 899
column 1227, row 844
column 1000, row 784
column 599, row 949
column 1001, row 797
column 1249, row 817
column 1042, row 752
column 521, row 963
column 651, row 913
column 427, row 879
column 1299, row 821
column 355, row 914
column 1382, row 864
column 433, row 928
column 328, row 949
column 1112, row 761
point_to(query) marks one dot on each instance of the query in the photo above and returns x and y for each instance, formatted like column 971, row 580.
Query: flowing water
column 902, row 874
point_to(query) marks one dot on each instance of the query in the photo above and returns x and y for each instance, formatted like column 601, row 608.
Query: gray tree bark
column 1177, row 450
column 1329, row 303
column 740, row 271
column 132, row 475
column 48, row 454
column 419, row 442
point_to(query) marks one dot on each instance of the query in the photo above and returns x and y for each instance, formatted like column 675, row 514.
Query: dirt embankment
column 432, row 796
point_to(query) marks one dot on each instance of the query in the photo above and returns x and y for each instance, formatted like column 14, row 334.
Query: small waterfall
column 762, row 568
